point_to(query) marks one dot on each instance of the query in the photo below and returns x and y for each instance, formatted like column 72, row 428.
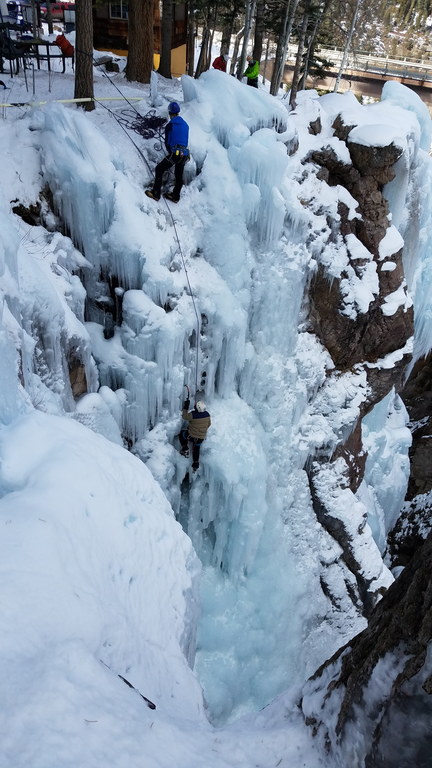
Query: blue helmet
column 173, row 108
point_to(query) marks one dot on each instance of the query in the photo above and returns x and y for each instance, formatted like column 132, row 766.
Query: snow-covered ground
column 99, row 579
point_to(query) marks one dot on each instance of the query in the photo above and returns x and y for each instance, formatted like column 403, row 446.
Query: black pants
column 165, row 164
column 185, row 438
column 253, row 82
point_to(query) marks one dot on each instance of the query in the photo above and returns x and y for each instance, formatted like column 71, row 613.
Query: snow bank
column 96, row 582
column 377, row 136
column 398, row 95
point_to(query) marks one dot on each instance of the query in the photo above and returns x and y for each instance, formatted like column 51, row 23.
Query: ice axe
column 187, row 393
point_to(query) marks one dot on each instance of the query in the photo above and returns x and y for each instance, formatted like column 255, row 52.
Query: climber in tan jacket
column 196, row 431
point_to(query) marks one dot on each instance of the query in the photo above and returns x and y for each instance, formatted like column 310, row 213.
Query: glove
column 186, row 404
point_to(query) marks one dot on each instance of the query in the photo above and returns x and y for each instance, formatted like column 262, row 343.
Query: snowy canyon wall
column 370, row 704
column 305, row 324
column 360, row 308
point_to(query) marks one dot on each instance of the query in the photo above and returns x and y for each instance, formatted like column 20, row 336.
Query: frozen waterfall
column 250, row 246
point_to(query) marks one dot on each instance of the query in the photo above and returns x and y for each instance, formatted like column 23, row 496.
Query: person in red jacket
column 65, row 46
column 221, row 62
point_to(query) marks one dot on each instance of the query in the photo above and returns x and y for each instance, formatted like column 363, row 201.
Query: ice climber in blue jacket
column 176, row 142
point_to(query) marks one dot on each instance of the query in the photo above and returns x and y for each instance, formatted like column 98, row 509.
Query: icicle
column 155, row 99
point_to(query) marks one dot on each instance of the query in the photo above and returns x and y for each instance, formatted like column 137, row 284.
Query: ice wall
column 409, row 196
column 386, row 438
column 42, row 317
column 251, row 224
column 13, row 342
column 421, row 261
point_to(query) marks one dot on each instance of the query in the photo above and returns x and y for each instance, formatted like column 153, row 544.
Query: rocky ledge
column 360, row 702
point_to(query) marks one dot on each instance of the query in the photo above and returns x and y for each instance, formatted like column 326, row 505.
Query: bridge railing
column 383, row 64
column 396, row 70
column 416, row 69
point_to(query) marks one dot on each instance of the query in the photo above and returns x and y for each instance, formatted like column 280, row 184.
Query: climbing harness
column 180, row 151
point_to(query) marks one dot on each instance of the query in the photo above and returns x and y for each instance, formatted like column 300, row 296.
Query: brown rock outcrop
column 381, row 680
column 354, row 456
column 77, row 377
column 340, row 129
column 415, row 521
column 376, row 162
column 417, row 396
column 358, row 339
column 371, row 335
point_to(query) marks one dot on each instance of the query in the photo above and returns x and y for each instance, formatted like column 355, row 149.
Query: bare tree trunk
column 300, row 49
column 227, row 31
column 259, row 30
column 347, row 45
column 209, row 49
column 48, row 17
column 266, row 59
column 84, row 53
column 207, row 36
column 249, row 14
column 34, row 19
column 140, row 53
column 312, row 41
column 166, row 35
column 191, row 41
column 282, row 45
column 235, row 51
column 202, row 63
column 212, row 23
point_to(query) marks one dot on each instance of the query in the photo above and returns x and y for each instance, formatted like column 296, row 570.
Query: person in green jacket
column 252, row 72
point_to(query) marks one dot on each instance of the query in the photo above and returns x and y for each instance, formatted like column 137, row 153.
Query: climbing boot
column 195, row 466
column 153, row 195
column 171, row 196
column 184, row 452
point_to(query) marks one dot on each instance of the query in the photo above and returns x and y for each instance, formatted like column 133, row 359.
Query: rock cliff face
column 371, row 703
column 361, row 701
column 371, row 335
column 361, row 338
column 415, row 521
column 417, row 396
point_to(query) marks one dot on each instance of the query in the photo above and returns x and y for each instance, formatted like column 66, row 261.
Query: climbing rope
column 192, row 297
column 148, row 126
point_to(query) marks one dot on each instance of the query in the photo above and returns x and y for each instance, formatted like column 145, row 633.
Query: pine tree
column 140, row 32
column 166, row 35
column 84, row 53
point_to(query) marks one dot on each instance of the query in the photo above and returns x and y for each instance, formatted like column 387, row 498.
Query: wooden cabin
column 110, row 31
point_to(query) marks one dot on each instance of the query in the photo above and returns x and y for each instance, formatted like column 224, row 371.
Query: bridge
column 366, row 73
column 409, row 71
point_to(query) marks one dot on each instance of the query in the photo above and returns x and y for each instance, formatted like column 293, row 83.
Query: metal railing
column 405, row 68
